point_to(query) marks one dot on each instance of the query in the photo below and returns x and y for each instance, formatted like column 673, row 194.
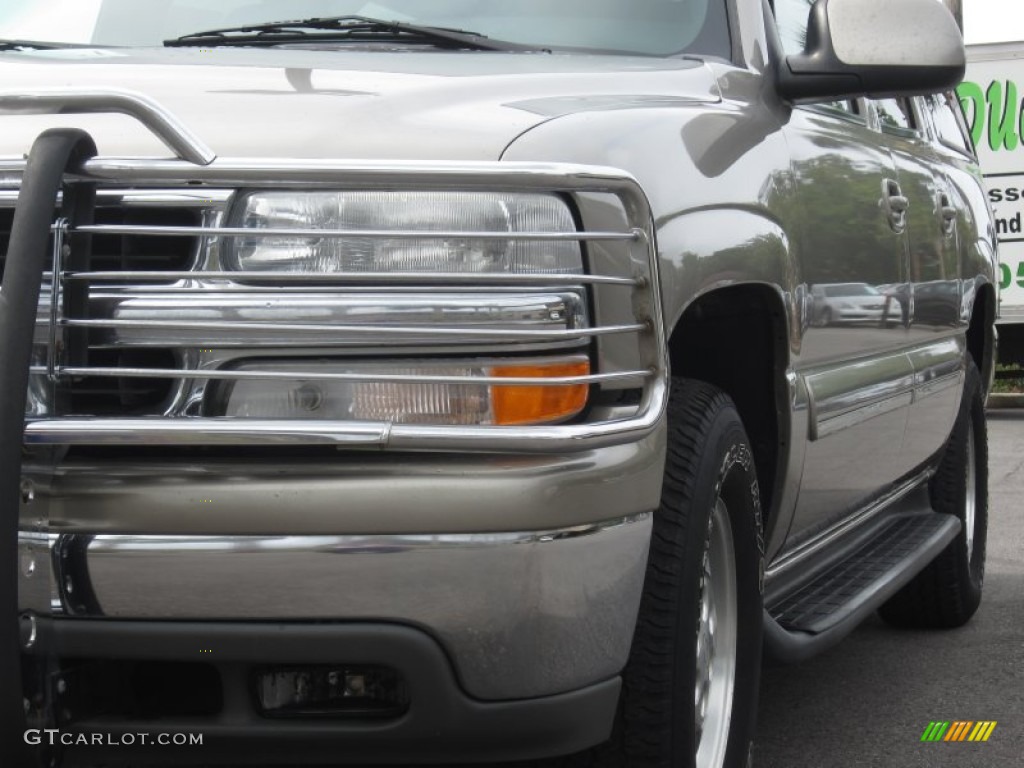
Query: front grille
column 119, row 395
column 167, row 330
column 125, row 252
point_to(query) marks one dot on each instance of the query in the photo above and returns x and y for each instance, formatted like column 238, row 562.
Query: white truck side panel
column 992, row 95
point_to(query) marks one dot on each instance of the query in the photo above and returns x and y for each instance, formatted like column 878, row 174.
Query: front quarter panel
column 718, row 179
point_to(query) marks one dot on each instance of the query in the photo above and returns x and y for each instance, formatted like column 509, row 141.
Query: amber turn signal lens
column 542, row 404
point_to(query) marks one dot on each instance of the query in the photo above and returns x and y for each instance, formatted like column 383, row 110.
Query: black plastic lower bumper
column 441, row 725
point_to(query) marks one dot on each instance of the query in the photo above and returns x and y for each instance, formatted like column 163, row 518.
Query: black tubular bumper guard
column 53, row 154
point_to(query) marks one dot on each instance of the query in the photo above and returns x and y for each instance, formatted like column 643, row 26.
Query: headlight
column 382, row 213
column 464, row 400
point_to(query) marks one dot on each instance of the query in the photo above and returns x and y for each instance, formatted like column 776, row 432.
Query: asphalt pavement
column 868, row 701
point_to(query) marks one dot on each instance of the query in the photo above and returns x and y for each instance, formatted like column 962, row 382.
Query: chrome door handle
column 948, row 214
column 895, row 204
column 898, row 203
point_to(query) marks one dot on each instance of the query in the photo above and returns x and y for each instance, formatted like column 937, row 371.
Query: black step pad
column 872, row 572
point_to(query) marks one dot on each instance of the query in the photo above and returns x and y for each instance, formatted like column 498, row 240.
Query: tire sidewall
column 708, row 455
column 949, row 489
column 736, row 484
column 726, row 469
column 975, row 414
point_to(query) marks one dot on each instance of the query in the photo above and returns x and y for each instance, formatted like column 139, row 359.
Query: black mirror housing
column 875, row 48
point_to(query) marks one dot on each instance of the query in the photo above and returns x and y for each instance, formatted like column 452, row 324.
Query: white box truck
column 991, row 95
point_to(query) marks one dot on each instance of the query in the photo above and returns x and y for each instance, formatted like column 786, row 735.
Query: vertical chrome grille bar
column 53, row 362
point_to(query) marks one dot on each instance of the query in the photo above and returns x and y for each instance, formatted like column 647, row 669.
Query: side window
column 791, row 19
column 949, row 122
column 842, row 107
column 895, row 116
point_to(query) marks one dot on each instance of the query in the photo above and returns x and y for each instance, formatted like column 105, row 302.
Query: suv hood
column 353, row 104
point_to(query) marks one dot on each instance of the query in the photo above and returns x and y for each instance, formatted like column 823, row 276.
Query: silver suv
column 445, row 380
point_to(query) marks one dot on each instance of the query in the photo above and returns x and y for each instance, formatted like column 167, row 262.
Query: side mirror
column 875, row 48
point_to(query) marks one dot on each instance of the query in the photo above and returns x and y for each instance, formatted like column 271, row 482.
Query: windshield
column 650, row 27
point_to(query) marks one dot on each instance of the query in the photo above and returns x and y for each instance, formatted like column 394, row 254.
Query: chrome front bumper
column 521, row 615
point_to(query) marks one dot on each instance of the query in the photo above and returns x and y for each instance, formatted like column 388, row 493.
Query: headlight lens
column 413, row 402
column 412, row 211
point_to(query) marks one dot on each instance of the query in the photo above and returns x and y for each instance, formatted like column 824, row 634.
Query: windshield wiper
column 35, row 45
column 343, row 29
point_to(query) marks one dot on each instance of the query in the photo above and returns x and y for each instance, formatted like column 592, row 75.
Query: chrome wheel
column 716, row 643
column 971, row 491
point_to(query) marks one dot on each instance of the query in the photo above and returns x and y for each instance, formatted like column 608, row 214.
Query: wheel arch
column 736, row 338
column 981, row 336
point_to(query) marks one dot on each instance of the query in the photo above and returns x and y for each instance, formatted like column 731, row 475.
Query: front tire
column 690, row 687
column 948, row 591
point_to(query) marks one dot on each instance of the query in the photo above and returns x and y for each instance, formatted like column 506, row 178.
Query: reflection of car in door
column 852, row 303
column 937, row 302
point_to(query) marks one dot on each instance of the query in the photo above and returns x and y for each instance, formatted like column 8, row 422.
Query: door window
column 895, row 116
column 948, row 119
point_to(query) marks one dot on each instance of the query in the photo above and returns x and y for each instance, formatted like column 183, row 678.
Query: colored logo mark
column 959, row 730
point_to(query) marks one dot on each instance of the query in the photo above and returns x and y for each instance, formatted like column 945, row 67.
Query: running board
column 830, row 603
